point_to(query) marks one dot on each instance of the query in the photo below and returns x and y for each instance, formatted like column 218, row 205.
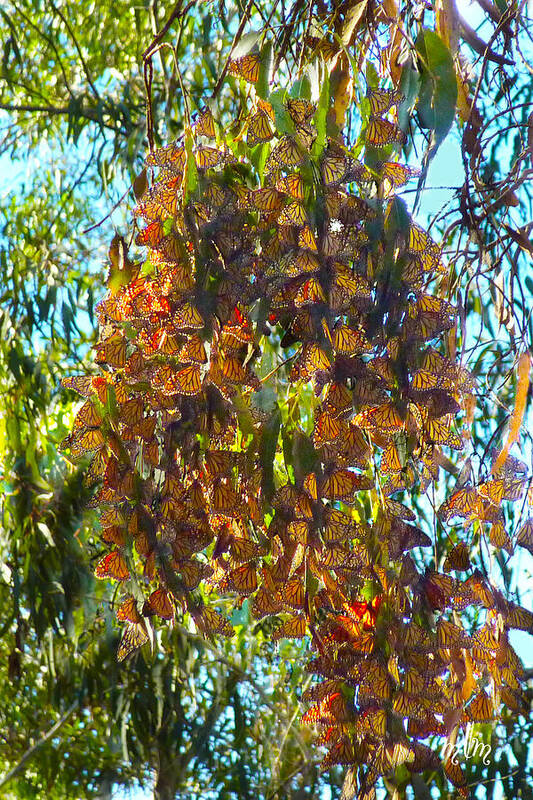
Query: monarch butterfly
column 372, row 720
column 346, row 287
column 208, row 157
column 285, row 154
column 438, row 431
column 84, row 385
column 187, row 316
column 397, row 754
column 299, row 530
column 193, row 351
column 342, row 753
column 210, row 622
column 525, row 535
column 96, row 469
column 394, row 175
column 300, row 110
column 409, row 705
column 309, row 293
column 348, row 341
column 365, row 612
column 458, row 558
column 306, row 239
column 499, row 537
column 259, row 128
column 243, row 550
column 243, row 579
column 266, row 199
column 246, row 67
column 159, row 341
column 425, row 323
column 128, row 611
column 239, row 326
column 293, row 628
column 172, row 157
column 484, row 640
column 321, row 690
column 292, row 185
column 313, row 358
column 134, row 636
column 381, row 132
column 310, row 486
column 332, row 707
column 385, row 418
column 381, row 100
column 391, row 460
column 352, row 447
column 337, row 525
column 159, row 601
column 205, row 124
column 88, row 416
column 514, row 700
column 338, row 398
column 480, row 709
column 266, row 603
column 519, row 618
column 112, row 351
column 301, row 263
column 162, row 201
column 474, row 591
column 293, row 593
column 113, row 565
column 218, row 462
column 456, row 776
column 84, row 441
column 192, row 572
column 216, row 195
column 171, row 247
column 374, row 680
column 326, row 429
column 224, row 499
column 293, row 214
column 342, row 484
column 462, row 503
column 451, row 637
column 151, row 236
column 416, row 638
column 333, row 169
column 414, row 682
column 187, row 381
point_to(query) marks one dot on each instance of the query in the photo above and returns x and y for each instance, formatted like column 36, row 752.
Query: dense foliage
column 274, row 386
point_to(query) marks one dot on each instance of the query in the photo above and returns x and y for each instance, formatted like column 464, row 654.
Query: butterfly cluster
column 317, row 254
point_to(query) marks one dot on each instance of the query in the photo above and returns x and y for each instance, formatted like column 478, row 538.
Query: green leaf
column 284, row 123
column 246, row 44
column 261, row 86
column 12, row 39
column 353, row 16
column 321, row 116
column 438, row 96
column 191, row 182
column 303, row 455
column 267, row 453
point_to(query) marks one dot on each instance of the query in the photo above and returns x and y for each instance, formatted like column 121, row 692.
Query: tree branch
column 53, row 111
column 33, row 749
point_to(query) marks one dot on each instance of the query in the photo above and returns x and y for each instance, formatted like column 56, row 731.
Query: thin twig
column 76, row 45
column 236, row 39
column 42, row 741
